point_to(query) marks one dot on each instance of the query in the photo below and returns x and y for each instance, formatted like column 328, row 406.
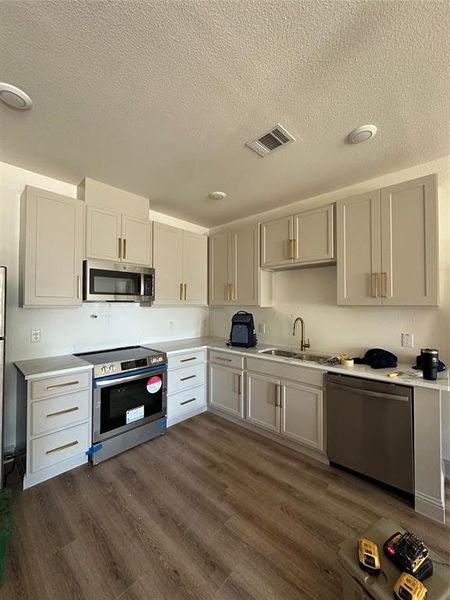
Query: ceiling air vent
column 271, row 140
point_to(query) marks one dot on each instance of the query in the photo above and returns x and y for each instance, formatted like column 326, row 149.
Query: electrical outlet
column 408, row 340
column 35, row 336
column 171, row 325
column 262, row 328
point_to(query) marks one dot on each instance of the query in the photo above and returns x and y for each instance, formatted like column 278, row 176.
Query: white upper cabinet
column 51, row 249
column 136, row 241
column 306, row 238
column 359, row 249
column 409, row 243
column 117, row 224
column 180, row 262
column 388, row 246
column 195, row 268
column 103, row 234
column 235, row 277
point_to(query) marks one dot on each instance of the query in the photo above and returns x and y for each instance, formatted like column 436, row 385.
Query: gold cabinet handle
column 181, row 291
column 374, row 285
column 62, row 447
column 228, row 291
column 187, row 401
column 124, row 248
column 277, row 395
column 120, row 247
column 384, row 285
column 185, row 290
column 59, row 385
column 233, row 291
column 292, row 249
column 78, row 286
column 221, row 358
column 63, row 412
column 186, row 378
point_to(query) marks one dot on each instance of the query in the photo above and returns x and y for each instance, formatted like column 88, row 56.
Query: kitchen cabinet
column 51, row 249
column 387, row 244
column 235, row 277
column 306, row 238
column 263, row 398
column 290, row 408
column 58, row 409
column 113, row 236
column 225, row 384
column 180, row 262
column 186, row 389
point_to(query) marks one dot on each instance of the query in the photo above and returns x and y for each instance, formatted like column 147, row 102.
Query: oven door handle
column 107, row 382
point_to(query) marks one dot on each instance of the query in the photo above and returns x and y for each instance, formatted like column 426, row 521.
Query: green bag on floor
column 5, row 527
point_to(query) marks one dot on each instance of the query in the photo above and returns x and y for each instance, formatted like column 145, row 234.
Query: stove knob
column 103, row 369
column 111, row 368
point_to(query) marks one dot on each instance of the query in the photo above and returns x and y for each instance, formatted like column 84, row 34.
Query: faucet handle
column 307, row 344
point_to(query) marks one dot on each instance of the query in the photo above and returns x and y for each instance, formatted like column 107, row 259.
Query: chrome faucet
column 303, row 345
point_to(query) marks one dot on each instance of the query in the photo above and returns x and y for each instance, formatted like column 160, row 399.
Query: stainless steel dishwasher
column 370, row 429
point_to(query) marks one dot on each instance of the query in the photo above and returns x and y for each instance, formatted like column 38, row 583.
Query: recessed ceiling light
column 361, row 134
column 14, row 96
column 217, row 195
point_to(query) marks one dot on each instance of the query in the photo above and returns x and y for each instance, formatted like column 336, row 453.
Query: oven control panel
column 127, row 366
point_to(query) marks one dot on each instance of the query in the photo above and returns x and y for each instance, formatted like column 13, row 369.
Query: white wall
column 69, row 330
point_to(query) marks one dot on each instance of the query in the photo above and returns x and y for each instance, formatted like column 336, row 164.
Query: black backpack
column 243, row 332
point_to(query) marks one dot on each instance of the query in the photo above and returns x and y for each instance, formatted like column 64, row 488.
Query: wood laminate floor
column 209, row 511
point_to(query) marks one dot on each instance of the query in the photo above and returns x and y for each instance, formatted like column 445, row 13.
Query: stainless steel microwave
column 117, row 282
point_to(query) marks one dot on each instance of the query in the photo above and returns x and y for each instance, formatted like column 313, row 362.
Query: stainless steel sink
column 276, row 352
column 304, row 356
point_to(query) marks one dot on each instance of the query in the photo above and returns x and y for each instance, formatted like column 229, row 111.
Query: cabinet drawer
column 61, row 384
column 181, row 379
column 226, row 359
column 186, row 401
column 186, row 360
column 59, row 412
column 56, row 447
column 285, row 371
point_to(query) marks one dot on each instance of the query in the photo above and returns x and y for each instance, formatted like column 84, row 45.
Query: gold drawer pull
column 59, row 385
column 224, row 359
column 374, row 285
column 188, row 359
column 186, row 378
column 187, row 401
column 124, row 247
column 62, row 447
column 64, row 412
column 120, row 247
column 181, row 291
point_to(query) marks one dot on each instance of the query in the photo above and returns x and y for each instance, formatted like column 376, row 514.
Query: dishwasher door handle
column 367, row 392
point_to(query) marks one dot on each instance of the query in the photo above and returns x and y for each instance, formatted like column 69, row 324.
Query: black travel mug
column 430, row 360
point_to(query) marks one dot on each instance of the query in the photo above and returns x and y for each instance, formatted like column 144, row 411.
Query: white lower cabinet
column 186, row 387
column 263, row 398
column 302, row 414
column 291, row 409
column 59, row 409
column 225, row 390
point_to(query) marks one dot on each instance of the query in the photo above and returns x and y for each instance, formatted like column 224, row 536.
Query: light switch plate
column 408, row 340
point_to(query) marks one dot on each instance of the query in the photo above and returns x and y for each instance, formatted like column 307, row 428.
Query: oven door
column 117, row 282
column 124, row 402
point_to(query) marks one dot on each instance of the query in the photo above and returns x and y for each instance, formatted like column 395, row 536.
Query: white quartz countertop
column 52, row 365
column 406, row 376
column 40, row 367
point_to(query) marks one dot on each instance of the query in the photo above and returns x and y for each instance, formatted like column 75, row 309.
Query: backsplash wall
column 311, row 294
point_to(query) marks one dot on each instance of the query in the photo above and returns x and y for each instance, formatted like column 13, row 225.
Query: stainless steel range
column 129, row 398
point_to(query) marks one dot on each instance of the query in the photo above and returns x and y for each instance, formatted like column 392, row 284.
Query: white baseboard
column 447, row 469
column 430, row 507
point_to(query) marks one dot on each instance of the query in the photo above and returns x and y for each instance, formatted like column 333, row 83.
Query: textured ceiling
column 158, row 97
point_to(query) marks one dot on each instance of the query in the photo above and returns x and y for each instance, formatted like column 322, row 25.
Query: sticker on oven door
column 134, row 414
column 154, row 384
